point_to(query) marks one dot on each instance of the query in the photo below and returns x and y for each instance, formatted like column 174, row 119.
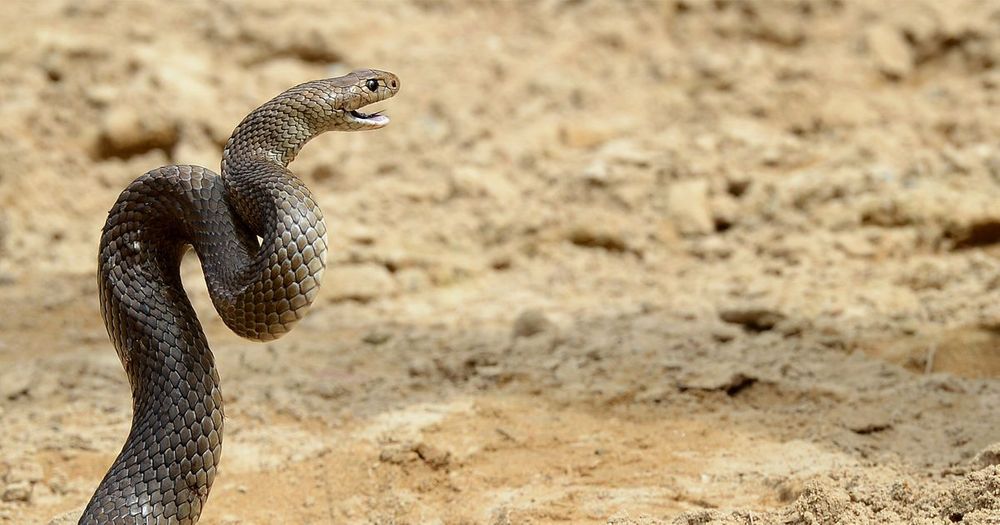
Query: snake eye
column 371, row 84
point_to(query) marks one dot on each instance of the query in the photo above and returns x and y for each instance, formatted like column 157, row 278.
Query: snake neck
column 277, row 130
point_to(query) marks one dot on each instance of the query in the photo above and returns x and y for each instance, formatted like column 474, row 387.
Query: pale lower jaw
column 376, row 120
column 369, row 121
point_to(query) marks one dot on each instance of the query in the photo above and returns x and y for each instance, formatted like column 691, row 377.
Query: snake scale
column 260, row 288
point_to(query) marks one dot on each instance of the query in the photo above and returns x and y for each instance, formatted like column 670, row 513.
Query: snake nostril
column 393, row 84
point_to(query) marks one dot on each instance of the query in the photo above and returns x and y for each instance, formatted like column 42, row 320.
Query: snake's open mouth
column 376, row 119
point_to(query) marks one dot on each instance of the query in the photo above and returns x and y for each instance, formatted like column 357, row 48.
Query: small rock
column 780, row 27
column 420, row 367
column 359, row 234
column 492, row 372
column 377, row 337
column 597, row 235
column 397, row 454
column 17, row 491
column 715, row 69
column 623, row 518
column 500, row 516
column 597, row 173
column 501, row 260
column 125, row 132
column 687, row 206
column 711, row 248
column 232, row 519
column 790, row 489
column 974, row 231
column 531, row 322
column 15, row 383
column 329, row 391
column 308, row 40
column 100, row 94
column 25, row 471
column 434, row 457
column 718, row 378
column 413, row 279
column 724, row 333
column 68, row 518
column 725, row 211
column 753, row 318
column 891, row 53
column 863, row 420
column 358, row 282
column 840, row 110
column 855, row 246
column 987, row 457
column 624, row 151
column 466, row 181
column 581, row 136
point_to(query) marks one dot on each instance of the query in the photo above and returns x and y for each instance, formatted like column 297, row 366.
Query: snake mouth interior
column 374, row 119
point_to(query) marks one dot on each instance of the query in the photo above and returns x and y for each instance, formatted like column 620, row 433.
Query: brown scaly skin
column 166, row 468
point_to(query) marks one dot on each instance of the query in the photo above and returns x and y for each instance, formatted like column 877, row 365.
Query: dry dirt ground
column 612, row 262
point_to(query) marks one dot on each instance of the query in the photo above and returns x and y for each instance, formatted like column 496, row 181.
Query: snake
column 262, row 245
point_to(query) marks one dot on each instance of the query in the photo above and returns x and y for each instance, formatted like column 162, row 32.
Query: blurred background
column 611, row 262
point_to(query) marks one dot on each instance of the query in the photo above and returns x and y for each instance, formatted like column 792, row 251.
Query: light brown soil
column 681, row 261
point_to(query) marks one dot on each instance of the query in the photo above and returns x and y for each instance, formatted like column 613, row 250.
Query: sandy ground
column 630, row 263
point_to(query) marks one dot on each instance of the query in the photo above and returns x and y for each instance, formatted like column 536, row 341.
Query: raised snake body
column 261, row 289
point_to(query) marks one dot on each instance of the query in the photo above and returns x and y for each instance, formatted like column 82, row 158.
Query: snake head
column 358, row 89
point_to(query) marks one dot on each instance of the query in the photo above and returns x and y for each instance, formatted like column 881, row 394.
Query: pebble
column 465, row 181
column 780, row 27
column 434, row 457
column 688, row 208
column 711, row 248
column 15, row 383
column 17, row 491
column 309, row 40
column 861, row 420
column 596, row 234
column 28, row 471
column 987, row 457
column 718, row 378
column 413, row 279
column 125, row 132
column 583, row 136
column 724, row 333
column 754, row 318
column 377, row 336
column 397, row 454
column 891, row 53
column 358, row 282
column 624, row 151
column 67, row 518
column 531, row 322
column 100, row 94
column 596, row 173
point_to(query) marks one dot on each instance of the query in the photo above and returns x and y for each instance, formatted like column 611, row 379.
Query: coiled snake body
column 261, row 289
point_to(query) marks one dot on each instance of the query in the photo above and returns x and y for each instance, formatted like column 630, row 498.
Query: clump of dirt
column 675, row 262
